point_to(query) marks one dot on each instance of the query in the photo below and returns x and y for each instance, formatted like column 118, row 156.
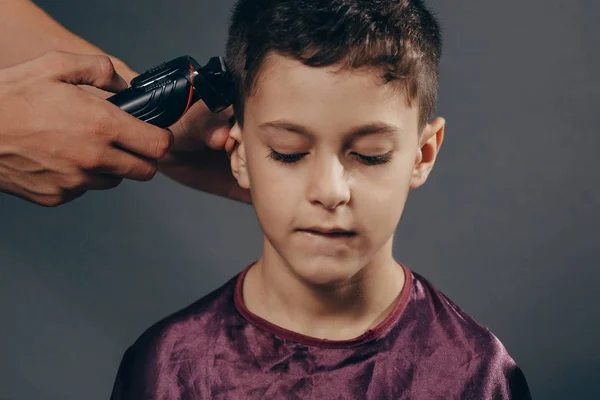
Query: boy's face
column 324, row 149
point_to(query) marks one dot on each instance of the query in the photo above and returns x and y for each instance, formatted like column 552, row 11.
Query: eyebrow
column 374, row 128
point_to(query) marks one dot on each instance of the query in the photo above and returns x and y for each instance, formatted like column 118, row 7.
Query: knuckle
column 105, row 65
column 148, row 172
column 162, row 143
column 74, row 182
column 50, row 201
column 56, row 60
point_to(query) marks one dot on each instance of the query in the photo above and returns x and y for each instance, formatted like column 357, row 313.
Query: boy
column 333, row 103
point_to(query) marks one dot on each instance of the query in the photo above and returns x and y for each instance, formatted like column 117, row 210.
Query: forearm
column 26, row 32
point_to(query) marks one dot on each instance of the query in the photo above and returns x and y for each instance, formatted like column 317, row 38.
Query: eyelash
column 293, row 158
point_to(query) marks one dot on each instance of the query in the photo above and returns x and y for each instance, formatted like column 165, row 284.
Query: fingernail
column 124, row 84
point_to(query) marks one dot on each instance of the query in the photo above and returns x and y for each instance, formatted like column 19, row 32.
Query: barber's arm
column 59, row 140
column 26, row 32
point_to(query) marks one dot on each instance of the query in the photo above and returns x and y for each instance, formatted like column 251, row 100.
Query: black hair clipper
column 162, row 94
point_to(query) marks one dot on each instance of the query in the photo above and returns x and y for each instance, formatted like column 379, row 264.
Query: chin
column 325, row 271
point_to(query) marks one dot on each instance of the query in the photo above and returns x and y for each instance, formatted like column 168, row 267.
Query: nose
column 329, row 184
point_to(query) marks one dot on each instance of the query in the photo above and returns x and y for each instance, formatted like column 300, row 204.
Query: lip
column 327, row 230
column 330, row 234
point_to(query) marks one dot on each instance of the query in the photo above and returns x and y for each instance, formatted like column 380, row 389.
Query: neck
column 274, row 292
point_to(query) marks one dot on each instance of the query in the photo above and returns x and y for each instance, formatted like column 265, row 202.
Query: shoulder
column 193, row 323
column 454, row 326
column 465, row 347
column 170, row 343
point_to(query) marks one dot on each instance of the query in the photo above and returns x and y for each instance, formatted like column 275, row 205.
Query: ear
column 238, row 157
column 429, row 146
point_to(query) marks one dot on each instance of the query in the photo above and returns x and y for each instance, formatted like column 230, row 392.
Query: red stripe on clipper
column 189, row 103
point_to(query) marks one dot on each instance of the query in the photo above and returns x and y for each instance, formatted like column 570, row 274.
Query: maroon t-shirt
column 427, row 348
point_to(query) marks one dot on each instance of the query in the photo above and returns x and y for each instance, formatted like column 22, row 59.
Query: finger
column 227, row 116
column 46, row 200
column 217, row 139
column 104, row 182
column 79, row 69
column 121, row 163
column 229, row 146
column 132, row 134
column 193, row 122
column 143, row 138
column 200, row 127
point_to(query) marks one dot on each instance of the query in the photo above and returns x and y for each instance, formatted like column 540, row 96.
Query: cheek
column 382, row 204
column 380, row 198
column 274, row 196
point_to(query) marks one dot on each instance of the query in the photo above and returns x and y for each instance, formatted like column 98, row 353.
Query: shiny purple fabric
column 427, row 348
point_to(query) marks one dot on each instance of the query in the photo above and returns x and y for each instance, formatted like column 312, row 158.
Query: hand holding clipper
column 162, row 94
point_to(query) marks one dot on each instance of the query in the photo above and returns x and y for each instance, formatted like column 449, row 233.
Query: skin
column 334, row 288
column 60, row 139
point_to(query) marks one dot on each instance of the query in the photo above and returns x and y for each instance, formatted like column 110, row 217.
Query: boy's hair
column 400, row 39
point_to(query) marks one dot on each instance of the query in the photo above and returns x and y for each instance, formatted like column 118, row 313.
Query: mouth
column 330, row 234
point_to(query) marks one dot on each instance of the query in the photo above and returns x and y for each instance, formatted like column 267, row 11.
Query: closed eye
column 375, row 160
column 285, row 158
column 295, row 157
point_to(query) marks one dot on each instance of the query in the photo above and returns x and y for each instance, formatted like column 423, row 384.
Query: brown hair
column 400, row 39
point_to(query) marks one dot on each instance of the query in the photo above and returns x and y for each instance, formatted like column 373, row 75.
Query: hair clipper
column 162, row 94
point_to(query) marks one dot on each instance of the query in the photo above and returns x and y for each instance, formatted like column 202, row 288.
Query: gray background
column 507, row 226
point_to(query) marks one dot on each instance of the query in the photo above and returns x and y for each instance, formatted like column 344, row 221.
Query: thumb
column 80, row 69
